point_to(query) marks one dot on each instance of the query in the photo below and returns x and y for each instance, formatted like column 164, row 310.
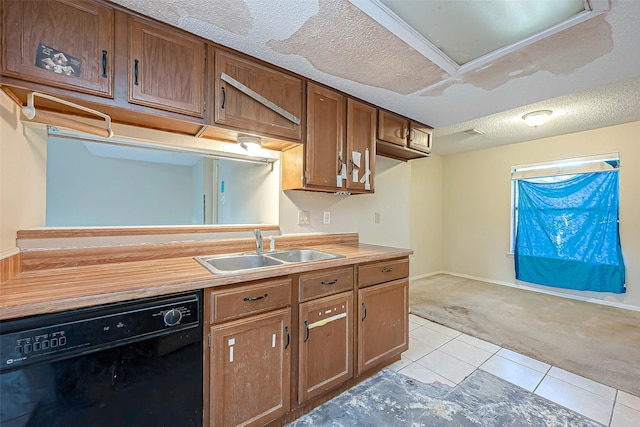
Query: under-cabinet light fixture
column 537, row 118
column 249, row 143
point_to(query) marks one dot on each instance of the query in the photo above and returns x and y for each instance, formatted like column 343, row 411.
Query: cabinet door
column 250, row 371
column 325, row 136
column 383, row 323
column 325, row 344
column 67, row 44
column 166, row 68
column 420, row 137
column 237, row 109
column 392, row 128
column 361, row 138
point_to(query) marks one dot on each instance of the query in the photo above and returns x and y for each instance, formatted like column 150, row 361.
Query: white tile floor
column 440, row 354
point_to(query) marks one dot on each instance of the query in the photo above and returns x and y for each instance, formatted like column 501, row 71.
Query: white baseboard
column 529, row 288
column 422, row 276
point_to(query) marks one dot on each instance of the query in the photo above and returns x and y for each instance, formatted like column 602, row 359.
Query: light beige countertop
column 53, row 290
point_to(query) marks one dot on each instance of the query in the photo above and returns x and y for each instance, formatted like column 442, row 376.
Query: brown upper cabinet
column 419, row 137
column 360, row 146
column 401, row 138
column 254, row 98
column 66, row 44
column 166, row 68
column 325, row 136
column 149, row 74
column 393, row 128
column 340, row 137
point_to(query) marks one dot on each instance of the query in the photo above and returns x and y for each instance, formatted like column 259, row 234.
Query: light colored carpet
column 595, row 341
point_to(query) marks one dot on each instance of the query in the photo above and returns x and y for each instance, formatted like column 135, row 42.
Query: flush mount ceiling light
column 249, row 143
column 459, row 36
column 537, row 118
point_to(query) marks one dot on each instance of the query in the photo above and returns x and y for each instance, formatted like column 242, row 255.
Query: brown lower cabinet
column 279, row 347
column 250, row 370
column 325, row 344
column 382, row 323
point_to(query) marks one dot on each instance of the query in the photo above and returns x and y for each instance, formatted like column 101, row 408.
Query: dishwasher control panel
column 61, row 335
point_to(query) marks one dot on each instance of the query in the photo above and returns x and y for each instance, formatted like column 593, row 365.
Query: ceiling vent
column 473, row 132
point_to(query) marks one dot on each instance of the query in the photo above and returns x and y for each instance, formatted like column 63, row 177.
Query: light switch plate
column 303, row 218
column 376, row 217
column 326, row 217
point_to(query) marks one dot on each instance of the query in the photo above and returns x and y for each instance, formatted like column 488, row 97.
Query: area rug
column 598, row 342
column 389, row 399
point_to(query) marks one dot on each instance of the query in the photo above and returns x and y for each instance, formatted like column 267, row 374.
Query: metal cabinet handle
column 364, row 315
column 256, row 298
column 412, row 135
column 104, row 63
column 286, row 331
column 333, row 282
column 135, row 72
column 386, row 270
column 224, row 97
column 306, row 327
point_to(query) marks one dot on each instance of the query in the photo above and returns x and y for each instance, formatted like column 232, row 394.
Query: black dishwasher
column 137, row 363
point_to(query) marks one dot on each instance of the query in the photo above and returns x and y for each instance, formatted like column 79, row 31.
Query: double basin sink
column 238, row 263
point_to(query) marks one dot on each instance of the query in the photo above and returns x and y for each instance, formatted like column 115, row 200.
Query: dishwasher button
column 54, row 342
column 36, row 346
column 45, row 344
column 27, row 348
column 62, row 341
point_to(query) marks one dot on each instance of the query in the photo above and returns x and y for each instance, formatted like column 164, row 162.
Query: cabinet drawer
column 325, row 282
column 384, row 271
column 250, row 299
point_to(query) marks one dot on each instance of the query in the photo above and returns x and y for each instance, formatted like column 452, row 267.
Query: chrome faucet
column 258, row 235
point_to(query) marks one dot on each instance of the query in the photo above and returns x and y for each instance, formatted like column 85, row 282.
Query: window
column 565, row 224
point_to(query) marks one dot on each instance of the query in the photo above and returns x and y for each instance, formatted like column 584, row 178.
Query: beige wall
column 22, row 175
column 408, row 196
column 426, row 215
column 476, row 204
column 356, row 213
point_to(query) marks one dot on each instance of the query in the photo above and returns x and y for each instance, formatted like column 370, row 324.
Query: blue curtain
column 567, row 233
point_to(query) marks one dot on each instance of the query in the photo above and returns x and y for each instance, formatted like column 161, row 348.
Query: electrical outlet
column 376, row 217
column 326, row 217
column 303, row 218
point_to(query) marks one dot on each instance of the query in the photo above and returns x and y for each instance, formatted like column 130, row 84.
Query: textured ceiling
column 589, row 74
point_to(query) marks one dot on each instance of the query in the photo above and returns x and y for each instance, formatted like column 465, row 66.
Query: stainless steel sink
column 237, row 263
column 303, row 255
